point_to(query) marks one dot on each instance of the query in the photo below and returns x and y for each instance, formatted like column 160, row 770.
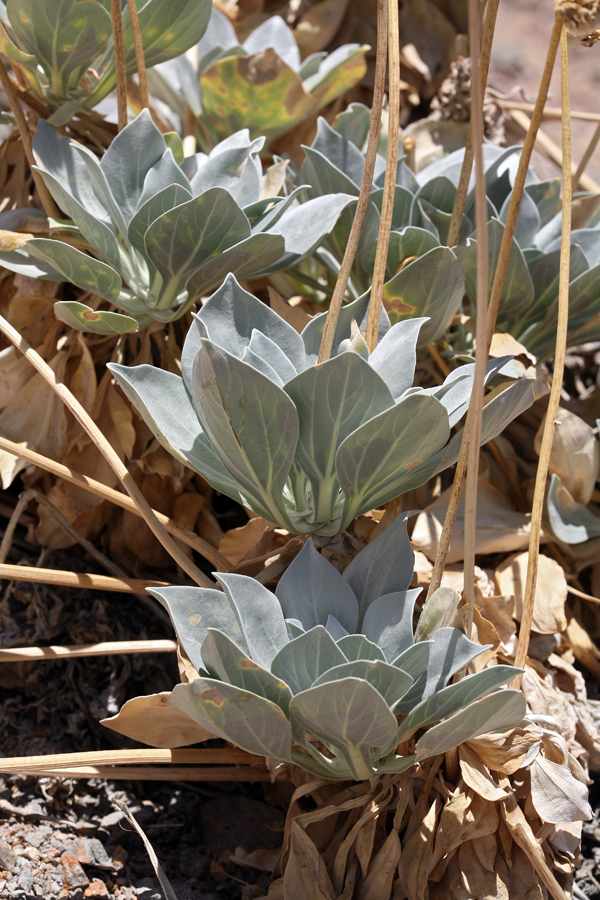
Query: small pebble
column 26, row 880
column 96, row 889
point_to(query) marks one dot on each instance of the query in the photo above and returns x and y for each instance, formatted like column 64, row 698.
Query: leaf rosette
column 162, row 234
column 423, row 277
column 326, row 673
column 261, row 84
column 308, row 446
column 64, row 48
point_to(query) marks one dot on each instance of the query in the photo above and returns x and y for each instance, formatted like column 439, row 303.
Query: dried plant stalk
column 391, row 167
column 77, row 579
column 559, row 364
column 550, row 112
column 106, row 648
column 203, row 756
column 107, row 451
column 150, row 773
column 465, row 173
column 120, row 64
column 139, row 52
column 364, row 197
column 50, row 207
column 123, row 500
column 481, row 352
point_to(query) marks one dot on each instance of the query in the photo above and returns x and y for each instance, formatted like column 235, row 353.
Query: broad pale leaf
column 357, row 646
column 259, row 613
column 84, row 271
column 84, row 318
column 388, row 680
column 388, row 622
column 306, row 657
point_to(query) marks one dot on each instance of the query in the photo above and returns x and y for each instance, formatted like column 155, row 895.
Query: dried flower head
column 581, row 16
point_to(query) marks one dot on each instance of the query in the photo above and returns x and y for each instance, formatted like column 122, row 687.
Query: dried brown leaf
column 413, row 867
column 524, row 882
column 503, row 753
column 154, row 721
column 575, row 456
column 246, row 541
column 477, row 776
column 378, row 883
column 550, row 596
column 305, row 876
column 293, row 315
column 558, row 797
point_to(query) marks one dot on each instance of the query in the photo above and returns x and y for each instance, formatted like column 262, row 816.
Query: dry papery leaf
column 575, row 455
column 251, row 540
column 550, row 595
column 154, row 721
column 500, row 529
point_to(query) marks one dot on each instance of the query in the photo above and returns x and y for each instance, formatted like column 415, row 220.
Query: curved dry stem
column 465, row 173
column 559, row 363
column 139, row 52
column 123, row 500
column 364, row 198
column 81, row 580
column 120, row 65
column 391, row 167
column 112, row 458
column 481, row 353
column 50, row 207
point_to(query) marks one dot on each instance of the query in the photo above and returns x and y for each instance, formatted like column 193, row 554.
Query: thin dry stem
column 105, row 648
column 108, row 452
column 87, row 581
column 481, row 353
column 465, row 173
column 203, row 756
column 550, row 112
column 123, row 500
column 364, row 198
column 559, row 364
column 120, row 64
column 391, row 168
column 582, row 594
column 156, row 773
column 139, row 52
column 50, row 207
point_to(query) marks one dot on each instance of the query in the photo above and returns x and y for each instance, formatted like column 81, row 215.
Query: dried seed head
column 581, row 16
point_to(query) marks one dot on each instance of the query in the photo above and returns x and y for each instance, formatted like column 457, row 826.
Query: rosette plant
column 327, row 673
column 423, row 277
column 161, row 235
column 64, row 48
column 261, row 84
column 307, row 446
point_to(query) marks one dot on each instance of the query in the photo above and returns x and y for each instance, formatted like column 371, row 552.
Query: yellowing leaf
column 154, row 721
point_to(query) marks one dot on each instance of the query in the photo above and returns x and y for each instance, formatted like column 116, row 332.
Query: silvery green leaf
column 395, row 356
column 338, row 151
column 252, row 424
column 546, row 196
column 432, row 285
column 20, row 261
column 131, row 155
column 56, row 154
column 451, row 652
column 259, row 613
column 162, row 175
column 84, row 318
column 294, row 627
column 148, row 212
column 182, row 239
column 384, row 566
column 310, row 65
column 313, row 331
column 261, row 365
column 414, row 660
column 497, row 713
column 373, row 459
column 265, row 218
column 357, row 646
column 529, row 220
column 276, row 34
column 403, row 201
column 248, row 721
column 220, row 34
column 439, row 611
column 96, row 233
column 267, row 349
column 395, row 764
column 350, row 715
column 517, row 293
column 335, row 629
column 389, row 681
column 101, row 187
column 222, row 656
column 388, row 622
column 168, row 29
column 410, row 241
column 300, row 662
column 166, row 408
column 237, row 169
column 584, row 301
column 497, row 414
column 247, row 259
column 311, row 590
column 332, row 401
column 305, row 227
column 231, row 315
column 353, row 123
column 439, row 192
column 544, row 271
column 455, row 392
column 452, row 698
column 87, row 273
column 570, row 521
column 588, row 239
column 193, row 611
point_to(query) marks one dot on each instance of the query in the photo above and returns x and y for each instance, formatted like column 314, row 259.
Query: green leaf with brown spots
column 84, row 318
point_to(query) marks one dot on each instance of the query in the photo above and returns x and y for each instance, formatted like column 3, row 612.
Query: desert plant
column 262, row 84
column 334, row 657
column 64, row 48
column 163, row 234
column 423, row 276
column 307, row 446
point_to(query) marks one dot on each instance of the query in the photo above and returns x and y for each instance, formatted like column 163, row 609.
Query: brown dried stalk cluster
column 581, row 16
column 452, row 103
